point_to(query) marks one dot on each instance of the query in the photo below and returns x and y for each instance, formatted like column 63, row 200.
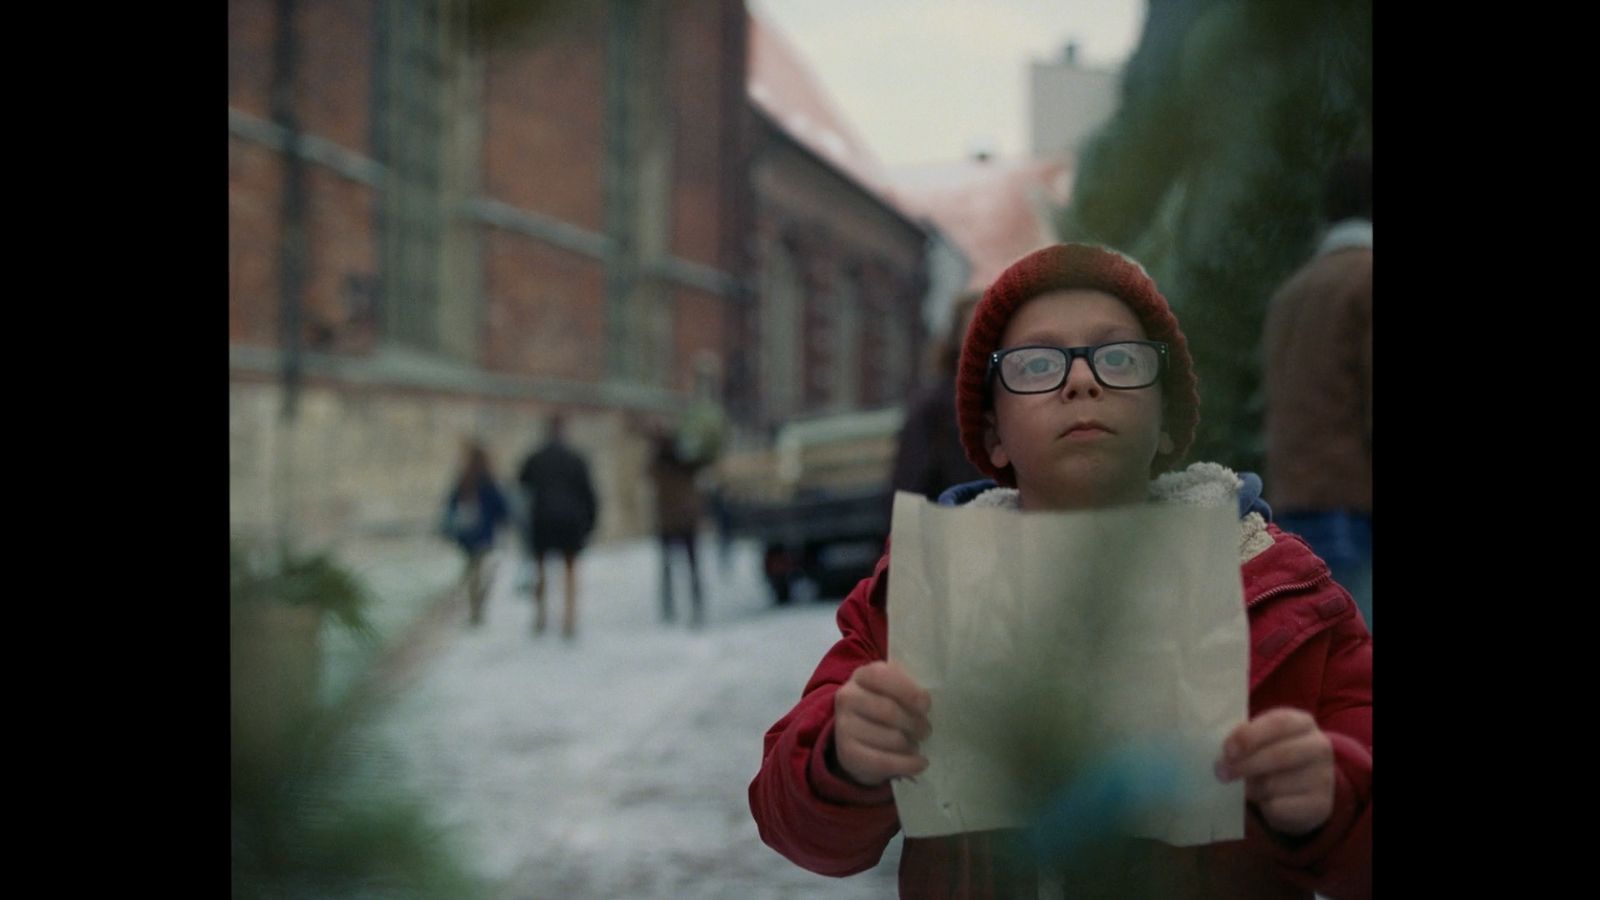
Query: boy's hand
column 879, row 716
column 1287, row 764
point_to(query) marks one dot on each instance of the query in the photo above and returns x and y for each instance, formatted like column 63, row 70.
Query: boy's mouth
column 1085, row 429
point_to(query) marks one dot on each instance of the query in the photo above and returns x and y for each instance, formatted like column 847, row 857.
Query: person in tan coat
column 1318, row 343
column 677, row 518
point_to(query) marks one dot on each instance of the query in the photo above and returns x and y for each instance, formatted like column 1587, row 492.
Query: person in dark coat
column 562, row 515
column 473, row 512
column 929, row 457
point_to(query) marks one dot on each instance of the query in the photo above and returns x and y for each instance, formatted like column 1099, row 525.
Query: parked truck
column 818, row 499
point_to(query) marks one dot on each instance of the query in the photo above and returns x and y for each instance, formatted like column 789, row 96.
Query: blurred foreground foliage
column 325, row 831
column 1230, row 114
column 311, row 816
column 306, row 580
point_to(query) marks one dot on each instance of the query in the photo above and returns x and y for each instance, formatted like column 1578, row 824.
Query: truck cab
column 819, row 499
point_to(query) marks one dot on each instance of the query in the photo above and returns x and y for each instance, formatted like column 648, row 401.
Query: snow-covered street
column 615, row 764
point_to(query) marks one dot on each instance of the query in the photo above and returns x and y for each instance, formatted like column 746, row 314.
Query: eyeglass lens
column 1038, row 369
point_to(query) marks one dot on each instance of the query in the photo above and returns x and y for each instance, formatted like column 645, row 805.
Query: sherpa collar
column 1201, row 484
column 1346, row 234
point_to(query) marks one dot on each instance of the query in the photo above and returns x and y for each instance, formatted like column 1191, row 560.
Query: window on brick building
column 897, row 349
column 845, row 367
column 639, row 190
column 888, row 341
column 780, row 323
column 424, row 63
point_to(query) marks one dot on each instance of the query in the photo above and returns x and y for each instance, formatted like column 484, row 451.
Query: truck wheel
column 778, row 565
column 780, row 588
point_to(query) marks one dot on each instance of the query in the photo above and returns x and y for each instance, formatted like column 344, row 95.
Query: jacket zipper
column 1286, row 588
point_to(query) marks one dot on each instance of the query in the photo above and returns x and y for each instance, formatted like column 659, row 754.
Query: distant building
column 994, row 210
column 1067, row 102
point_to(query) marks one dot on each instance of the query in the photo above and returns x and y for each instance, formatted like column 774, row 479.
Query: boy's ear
column 1165, row 445
column 991, row 443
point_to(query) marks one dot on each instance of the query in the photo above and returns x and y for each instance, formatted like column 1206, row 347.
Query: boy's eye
column 1116, row 358
column 1124, row 360
column 1040, row 365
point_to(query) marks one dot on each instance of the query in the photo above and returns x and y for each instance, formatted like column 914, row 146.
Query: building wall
column 699, row 335
column 251, row 27
column 334, row 70
column 332, row 102
column 702, row 79
column 255, row 185
column 544, row 315
column 340, row 314
column 376, row 460
column 521, row 251
column 466, row 214
column 544, row 120
column 825, row 241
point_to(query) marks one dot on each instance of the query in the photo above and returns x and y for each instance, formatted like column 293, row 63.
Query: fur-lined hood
column 1201, row 484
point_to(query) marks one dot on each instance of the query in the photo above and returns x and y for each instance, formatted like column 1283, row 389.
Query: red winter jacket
column 1309, row 649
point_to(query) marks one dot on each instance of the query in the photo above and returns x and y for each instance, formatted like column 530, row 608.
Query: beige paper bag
column 1054, row 643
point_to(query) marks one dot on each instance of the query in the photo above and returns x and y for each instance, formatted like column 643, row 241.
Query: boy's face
column 1082, row 445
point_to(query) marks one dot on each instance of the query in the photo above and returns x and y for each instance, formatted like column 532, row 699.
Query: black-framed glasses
column 1119, row 365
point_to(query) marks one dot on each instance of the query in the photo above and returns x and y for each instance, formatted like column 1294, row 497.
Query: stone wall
column 373, row 461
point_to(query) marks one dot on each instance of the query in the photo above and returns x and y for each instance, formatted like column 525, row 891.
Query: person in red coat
column 1054, row 434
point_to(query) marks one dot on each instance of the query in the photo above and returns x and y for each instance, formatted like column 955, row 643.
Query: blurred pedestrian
column 1318, row 344
column 562, row 514
column 473, row 513
column 700, row 437
column 722, row 516
column 677, row 517
column 929, row 458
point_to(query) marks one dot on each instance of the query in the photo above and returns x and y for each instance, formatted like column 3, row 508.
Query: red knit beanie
column 1069, row 267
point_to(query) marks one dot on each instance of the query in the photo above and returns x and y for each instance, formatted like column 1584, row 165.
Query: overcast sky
column 934, row 80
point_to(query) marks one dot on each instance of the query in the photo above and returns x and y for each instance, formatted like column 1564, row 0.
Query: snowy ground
column 614, row 765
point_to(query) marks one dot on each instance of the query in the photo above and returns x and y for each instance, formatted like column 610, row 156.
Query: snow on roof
column 782, row 85
column 994, row 210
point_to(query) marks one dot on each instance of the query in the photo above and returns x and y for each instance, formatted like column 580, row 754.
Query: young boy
column 1075, row 388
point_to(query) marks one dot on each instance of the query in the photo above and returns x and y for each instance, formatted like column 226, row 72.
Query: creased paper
column 1079, row 663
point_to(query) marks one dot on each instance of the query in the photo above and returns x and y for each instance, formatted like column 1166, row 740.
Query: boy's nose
column 1080, row 381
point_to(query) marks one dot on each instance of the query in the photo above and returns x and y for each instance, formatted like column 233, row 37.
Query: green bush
column 313, row 580
column 306, row 822
column 316, row 836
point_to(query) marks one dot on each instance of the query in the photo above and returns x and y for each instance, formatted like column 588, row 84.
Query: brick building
column 447, row 220
column 840, row 266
